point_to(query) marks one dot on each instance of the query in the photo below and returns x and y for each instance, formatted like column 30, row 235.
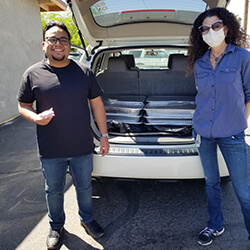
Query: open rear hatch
column 118, row 22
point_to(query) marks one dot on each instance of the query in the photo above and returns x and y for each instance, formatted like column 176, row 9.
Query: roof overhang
column 52, row 5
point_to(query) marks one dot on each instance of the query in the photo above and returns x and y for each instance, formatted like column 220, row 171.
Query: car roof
column 130, row 22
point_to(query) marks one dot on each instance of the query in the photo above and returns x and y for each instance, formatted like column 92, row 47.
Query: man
column 62, row 89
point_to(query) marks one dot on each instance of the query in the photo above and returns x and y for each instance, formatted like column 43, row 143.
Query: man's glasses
column 53, row 40
column 216, row 26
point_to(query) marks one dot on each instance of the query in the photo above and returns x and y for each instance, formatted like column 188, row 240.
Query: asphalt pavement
column 147, row 215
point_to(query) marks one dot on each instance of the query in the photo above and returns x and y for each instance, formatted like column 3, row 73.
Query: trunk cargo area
column 148, row 106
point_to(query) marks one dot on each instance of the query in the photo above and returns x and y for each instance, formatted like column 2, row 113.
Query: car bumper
column 152, row 167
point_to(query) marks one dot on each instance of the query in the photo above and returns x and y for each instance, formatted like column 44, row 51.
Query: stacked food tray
column 126, row 109
column 169, row 110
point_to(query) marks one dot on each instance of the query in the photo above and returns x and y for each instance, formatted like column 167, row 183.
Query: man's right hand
column 45, row 117
column 27, row 111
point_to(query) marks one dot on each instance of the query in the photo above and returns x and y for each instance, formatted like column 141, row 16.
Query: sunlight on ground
column 75, row 235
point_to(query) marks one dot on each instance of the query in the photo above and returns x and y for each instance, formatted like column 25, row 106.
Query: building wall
column 20, row 47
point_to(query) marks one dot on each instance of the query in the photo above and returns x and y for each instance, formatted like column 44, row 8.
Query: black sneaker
column 207, row 235
column 93, row 228
column 55, row 238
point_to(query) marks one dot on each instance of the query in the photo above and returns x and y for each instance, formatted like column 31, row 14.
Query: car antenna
column 88, row 57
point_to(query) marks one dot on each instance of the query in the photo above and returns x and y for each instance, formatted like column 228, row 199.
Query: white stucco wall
column 20, row 47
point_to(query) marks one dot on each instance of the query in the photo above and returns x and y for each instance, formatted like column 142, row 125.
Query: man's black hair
column 58, row 24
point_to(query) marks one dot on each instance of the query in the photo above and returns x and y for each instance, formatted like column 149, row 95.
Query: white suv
column 149, row 107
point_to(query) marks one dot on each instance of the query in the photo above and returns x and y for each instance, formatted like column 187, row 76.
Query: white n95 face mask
column 214, row 38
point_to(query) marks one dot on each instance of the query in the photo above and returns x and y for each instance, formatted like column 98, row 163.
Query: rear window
column 115, row 12
column 151, row 58
column 135, row 53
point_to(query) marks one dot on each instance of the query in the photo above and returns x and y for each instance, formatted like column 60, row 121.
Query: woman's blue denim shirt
column 222, row 93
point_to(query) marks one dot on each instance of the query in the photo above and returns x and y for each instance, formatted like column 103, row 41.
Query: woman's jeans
column 234, row 151
column 54, row 171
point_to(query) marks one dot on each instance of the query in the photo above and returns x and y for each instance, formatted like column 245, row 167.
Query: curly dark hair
column 58, row 24
column 198, row 47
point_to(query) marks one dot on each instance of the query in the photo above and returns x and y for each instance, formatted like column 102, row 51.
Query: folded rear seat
column 170, row 81
column 173, row 103
column 118, row 79
column 130, row 61
column 121, row 96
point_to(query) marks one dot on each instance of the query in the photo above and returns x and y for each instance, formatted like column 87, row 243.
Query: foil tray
column 123, row 110
column 125, row 118
column 169, row 113
column 125, row 101
column 176, row 122
column 170, row 105
column 160, row 98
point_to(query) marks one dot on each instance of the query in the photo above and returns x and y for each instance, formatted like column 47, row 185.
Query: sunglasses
column 216, row 26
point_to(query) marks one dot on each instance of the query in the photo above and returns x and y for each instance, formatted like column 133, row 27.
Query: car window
column 152, row 58
column 75, row 56
column 135, row 53
column 116, row 12
column 155, row 54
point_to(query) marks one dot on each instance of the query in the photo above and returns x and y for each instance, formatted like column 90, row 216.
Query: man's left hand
column 104, row 146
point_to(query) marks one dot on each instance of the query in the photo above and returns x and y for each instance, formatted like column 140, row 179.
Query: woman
column 222, row 73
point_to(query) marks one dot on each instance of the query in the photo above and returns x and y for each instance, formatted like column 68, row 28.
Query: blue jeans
column 234, row 151
column 54, row 171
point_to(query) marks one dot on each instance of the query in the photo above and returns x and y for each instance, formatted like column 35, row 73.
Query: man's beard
column 58, row 59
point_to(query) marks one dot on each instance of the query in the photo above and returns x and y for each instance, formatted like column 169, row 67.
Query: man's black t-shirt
column 67, row 91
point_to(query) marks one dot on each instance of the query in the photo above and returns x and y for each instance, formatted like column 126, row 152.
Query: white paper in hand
column 47, row 113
